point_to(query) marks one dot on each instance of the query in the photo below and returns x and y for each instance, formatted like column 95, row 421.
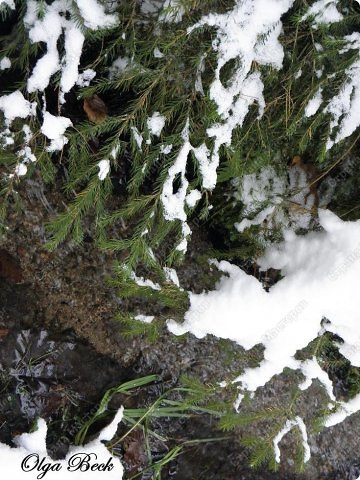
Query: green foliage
column 339, row 369
column 125, row 389
column 167, row 83
column 134, row 328
column 261, row 452
column 177, row 402
column 234, row 420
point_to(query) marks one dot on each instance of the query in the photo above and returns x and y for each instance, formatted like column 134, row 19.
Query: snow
column 324, row 11
column 8, row 3
column 345, row 409
column 49, row 29
column 115, row 151
column 6, row 137
column 85, row 78
column 155, row 123
column 171, row 275
column 120, row 65
column 321, row 271
column 311, row 370
column 5, row 63
column 94, row 15
column 314, row 104
column 74, row 41
column 157, row 53
column 345, row 107
column 172, row 11
column 287, row 427
column 31, row 448
column 259, row 193
column 192, row 198
column 104, row 169
column 137, row 137
column 14, row 106
column 25, row 154
column 166, row 149
column 186, row 232
column 262, row 196
column 142, row 282
column 20, row 170
column 144, row 318
column 54, row 128
column 248, row 33
column 174, row 202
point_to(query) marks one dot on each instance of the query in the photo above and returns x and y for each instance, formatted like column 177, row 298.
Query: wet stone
column 53, row 376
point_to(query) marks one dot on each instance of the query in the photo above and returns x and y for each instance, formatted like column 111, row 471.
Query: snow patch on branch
column 155, row 124
column 345, row 409
column 94, row 15
column 85, row 78
column 247, row 34
column 323, row 11
column 8, row 3
column 172, row 11
column 15, row 105
column 54, row 128
column 144, row 282
column 345, row 107
column 48, row 30
column 314, row 104
column 104, row 169
column 287, row 427
column 5, row 63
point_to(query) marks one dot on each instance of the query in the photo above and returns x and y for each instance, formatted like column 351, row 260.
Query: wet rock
column 47, row 375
